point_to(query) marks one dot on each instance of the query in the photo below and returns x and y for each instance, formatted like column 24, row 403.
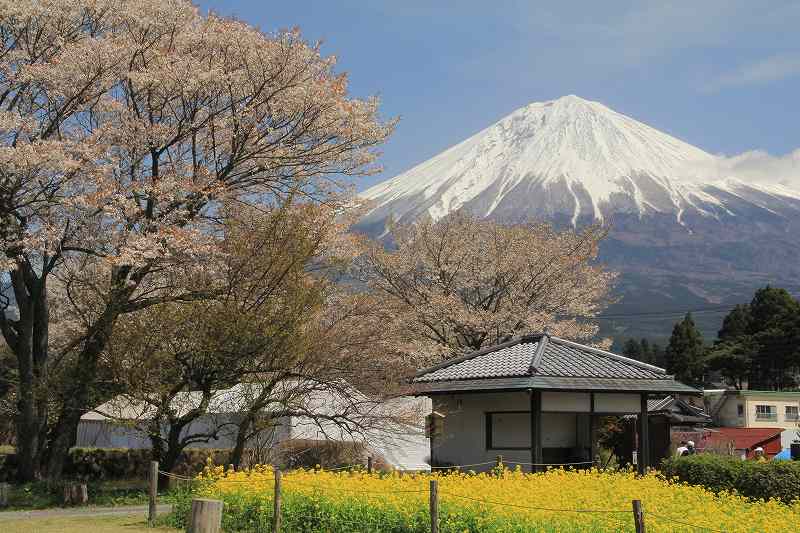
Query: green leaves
column 685, row 352
column 759, row 342
column 753, row 479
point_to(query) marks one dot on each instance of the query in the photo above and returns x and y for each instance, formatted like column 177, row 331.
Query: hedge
column 753, row 479
column 96, row 464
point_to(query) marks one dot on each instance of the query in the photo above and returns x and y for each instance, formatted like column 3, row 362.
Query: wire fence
column 531, row 508
column 636, row 515
column 686, row 524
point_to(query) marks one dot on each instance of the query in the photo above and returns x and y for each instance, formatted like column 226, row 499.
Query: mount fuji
column 684, row 230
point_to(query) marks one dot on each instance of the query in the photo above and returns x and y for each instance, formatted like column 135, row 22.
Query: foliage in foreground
column 318, row 501
column 99, row 464
column 44, row 495
column 753, row 479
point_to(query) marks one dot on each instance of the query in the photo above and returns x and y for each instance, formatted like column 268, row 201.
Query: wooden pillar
column 276, row 503
column 434, row 506
column 644, row 436
column 152, row 494
column 593, row 452
column 638, row 516
column 5, row 490
column 205, row 517
column 536, row 429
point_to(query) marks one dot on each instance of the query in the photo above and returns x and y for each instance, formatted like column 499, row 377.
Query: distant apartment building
column 757, row 409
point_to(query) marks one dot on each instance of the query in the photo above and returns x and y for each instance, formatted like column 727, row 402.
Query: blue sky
column 722, row 75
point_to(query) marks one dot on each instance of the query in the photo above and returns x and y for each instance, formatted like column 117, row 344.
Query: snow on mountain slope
column 572, row 157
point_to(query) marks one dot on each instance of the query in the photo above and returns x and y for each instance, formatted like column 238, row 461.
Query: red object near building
column 744, row 440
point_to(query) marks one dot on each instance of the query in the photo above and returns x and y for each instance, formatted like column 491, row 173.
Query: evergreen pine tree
column 736, row 323
column 647, row 352
column 632, row 349
column 773, row 329
column 685, row 352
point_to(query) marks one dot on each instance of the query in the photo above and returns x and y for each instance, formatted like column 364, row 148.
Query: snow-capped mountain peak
column 568, row 156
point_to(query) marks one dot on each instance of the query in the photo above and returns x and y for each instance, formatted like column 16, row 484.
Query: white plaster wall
column 559, row 430
column 617, row 403
column 574, row 402
column 464, row 436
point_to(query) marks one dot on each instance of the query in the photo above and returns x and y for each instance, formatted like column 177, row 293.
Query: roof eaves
column 477, row 353
column 610, row 355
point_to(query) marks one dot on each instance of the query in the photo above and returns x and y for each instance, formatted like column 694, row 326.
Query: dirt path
column 81, row 511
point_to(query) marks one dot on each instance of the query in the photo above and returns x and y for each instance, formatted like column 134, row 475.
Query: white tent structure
column 392, row 430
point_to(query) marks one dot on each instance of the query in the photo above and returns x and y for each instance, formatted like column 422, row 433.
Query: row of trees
column 175, row 206
column 758, row 346
column 645, row 351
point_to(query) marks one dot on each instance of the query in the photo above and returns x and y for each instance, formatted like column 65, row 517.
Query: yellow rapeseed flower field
column 556, row 500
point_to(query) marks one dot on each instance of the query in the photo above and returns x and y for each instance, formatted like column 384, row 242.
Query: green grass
column 103, row 524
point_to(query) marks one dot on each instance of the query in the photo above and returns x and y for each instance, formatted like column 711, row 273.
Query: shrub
column 753, row 479
column 96, row 464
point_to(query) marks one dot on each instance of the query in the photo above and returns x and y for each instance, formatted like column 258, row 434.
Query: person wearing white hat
column 759, row 454
column 686, row 448
column 680, row 450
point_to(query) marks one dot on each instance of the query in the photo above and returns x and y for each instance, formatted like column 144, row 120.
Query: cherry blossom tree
column 128, row 128
column 462, row 283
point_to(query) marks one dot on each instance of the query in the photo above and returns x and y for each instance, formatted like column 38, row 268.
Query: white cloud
column 758, row 166
column 770, row 69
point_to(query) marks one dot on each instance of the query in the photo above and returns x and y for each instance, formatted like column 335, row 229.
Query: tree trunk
column 27, row 338
column 168, row 459
column 241, row 439
column 75, row 403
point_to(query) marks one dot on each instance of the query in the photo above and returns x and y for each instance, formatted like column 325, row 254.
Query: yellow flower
column 512, row 500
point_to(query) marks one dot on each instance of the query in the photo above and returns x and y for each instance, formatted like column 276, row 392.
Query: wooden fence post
column 153, row 493
column 5, row 488
column 76, row 494
column 82, row 493
column 206, row 516
column 369, row 464
column 276, row 504
column 434, row 506
column 638, row 516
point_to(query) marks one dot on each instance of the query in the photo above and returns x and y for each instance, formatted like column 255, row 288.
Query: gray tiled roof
column 542, row 361
column 559, row 358
column 565, row 360
column 655, row 404
column 511, row 361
